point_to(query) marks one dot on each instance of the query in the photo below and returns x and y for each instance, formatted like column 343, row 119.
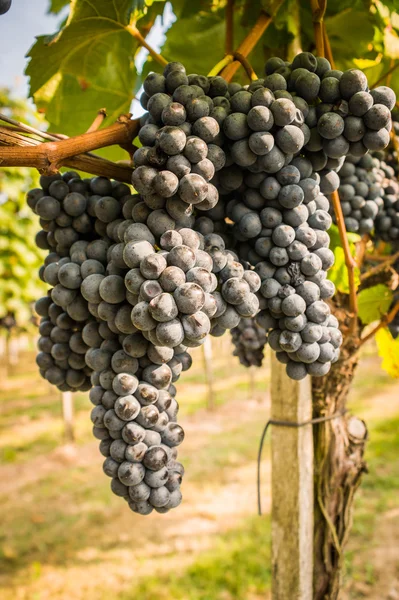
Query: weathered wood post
column 292, row 488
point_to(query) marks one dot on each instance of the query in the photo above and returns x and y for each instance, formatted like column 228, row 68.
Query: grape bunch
column 249, row 340
column 61, row 357
column 127, row 301
column 227, row 230
column 181, row 148
column 83, row 342
column 390, row 154
column 292, row 259
column 387, row 222
column 304, row 109
column 361, row 193
column 176, row 287
column 71, row 233
column 369, row 192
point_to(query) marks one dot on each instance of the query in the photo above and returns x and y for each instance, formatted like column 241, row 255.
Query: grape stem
column 132, row 29
column 229, row 42
column 247, row 66
column 361, row 249
column 388, row 318
column 253, row 37
column 98, row 121
column 349, row 260
column 218, row 68
column 380, row 267
column 327, row 47
column 27, row 128
column 375, row 257
column 48, row 157
column 318, row 9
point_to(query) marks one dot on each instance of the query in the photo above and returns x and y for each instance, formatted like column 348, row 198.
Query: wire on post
column 292, row 425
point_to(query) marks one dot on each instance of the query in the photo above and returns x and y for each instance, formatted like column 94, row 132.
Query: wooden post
column 292, row 488
column 67, row 413
column 207, row 352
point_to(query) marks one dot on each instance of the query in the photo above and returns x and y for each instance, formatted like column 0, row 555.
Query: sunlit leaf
column 388, row 350
column 373, row 303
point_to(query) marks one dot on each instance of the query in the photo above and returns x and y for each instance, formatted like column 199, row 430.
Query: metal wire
column 286, row 424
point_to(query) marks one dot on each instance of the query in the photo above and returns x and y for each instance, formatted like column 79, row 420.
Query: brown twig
column 88, row 163
column 27, row 128
column 44, row 135
column 247, row 66
column 361, row 249
column 375, row 257
column 318, row 9
column 52, row 153
column 327, row 47
column 349, row 260
column 50, row 156
column 253, row 37
column 384, row 75
column 132, row 29
column 381, row 267
column 229, row 42
column 9, row 137
column 383, row 323
column 102, row 113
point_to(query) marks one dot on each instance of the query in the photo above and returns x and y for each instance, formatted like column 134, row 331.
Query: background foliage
column 20, row 258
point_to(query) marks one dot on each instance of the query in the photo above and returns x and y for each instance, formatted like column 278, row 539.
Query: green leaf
column 197, row 36
column 205, row 31
column 388, row 350
column 374, row 302
column 350, row 32
column 335, row 239
column 56, row 6
column 88, row 65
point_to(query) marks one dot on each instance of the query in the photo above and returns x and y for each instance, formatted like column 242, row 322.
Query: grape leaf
column 374, row 302
column 56, row 6
column 350, row 32
column 388, row 350
column 88, row 65
column 335, row 239
column 204, row 31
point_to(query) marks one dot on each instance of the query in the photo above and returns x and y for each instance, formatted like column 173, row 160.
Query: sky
column 27, row 19
column 18, row 28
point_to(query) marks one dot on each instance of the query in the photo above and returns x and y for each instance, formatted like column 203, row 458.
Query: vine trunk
column 339, row 464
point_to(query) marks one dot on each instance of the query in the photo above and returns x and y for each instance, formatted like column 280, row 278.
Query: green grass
column 226, row 450
column 22, row 450
column 237, row 567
